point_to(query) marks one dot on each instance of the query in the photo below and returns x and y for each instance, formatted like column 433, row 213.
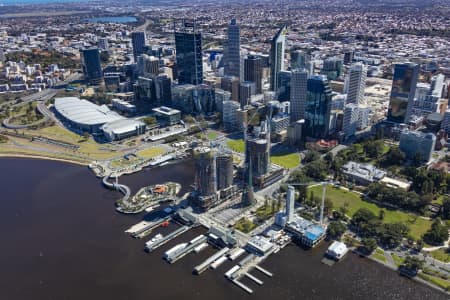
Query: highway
column 46, row 94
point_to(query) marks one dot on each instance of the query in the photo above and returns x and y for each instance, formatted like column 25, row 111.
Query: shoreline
column 31, row 156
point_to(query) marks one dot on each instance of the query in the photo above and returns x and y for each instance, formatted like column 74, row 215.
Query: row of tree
column 369, row 225
column 397, row 197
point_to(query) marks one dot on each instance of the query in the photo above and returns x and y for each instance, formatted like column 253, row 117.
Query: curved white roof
column 84, row 112
column 121, row 126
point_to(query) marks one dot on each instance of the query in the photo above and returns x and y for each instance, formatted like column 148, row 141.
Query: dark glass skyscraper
column 253, row 71
column 403, row 90
column 138, row 41
column 232, row 54
column 189, row 57
column 92, row 69
column 318, row 107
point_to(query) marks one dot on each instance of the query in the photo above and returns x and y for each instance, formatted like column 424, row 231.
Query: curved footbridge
column 125, row 190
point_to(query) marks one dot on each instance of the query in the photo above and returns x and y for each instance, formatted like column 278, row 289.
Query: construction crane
column 324, row 190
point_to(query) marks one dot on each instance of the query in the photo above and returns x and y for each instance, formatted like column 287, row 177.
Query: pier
column 204, row 265
column 264, row 271
column 253, row 278
column 168, row 237
column 236, row 253
column 173, row 257
column 144, row 228
column 200, row 247
column 218, row 262
column 242, row 286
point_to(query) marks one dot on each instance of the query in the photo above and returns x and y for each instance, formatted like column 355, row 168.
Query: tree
column 150, row 121
column 85, row 135
column 391, row 234
column 381, row 214
column 446, row 208
column 336, row 229
column 437, row 234
column 317, row 170
column 328, row 158
column 412, row 263
column 311, row 155
column 369, row 244
column 395, row 156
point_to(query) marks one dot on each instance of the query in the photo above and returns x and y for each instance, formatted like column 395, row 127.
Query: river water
column 62, row 239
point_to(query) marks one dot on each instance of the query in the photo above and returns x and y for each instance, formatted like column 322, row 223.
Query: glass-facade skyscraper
column 318, row 107
column 138, row 42
column 253, row 71
column 92, row 69
column 403, row 90
column 189, row 57
column 277, row 57
column 232, row 54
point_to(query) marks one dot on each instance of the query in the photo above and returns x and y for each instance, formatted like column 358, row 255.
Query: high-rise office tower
column 224, row 170
column 257, row 154
column 300, row 59
column 231, row 84
column 147, row 65
column 246, row 90
column 204, row 171
column 163, row 90
column 232, row 57
column 356, row 83
column 92, row 69
column 277, row 57
column 103, row 43
column 188, row 44
column 253, row 71
column 403, row 91
column 437, row 85
column 299, row 82
column 348, row 56
column 350, row 122
column 290, row 200
column 332, row 68
column 221, row 96
column 284, row 85
column 318, row 107
column 138, row 42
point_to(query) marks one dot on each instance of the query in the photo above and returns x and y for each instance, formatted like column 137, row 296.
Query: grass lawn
column 212, row 135
column 379, row 255
column 244, row 225
column 441, row 254
column 151, row 152
column 442, row 283
column 338, row 196
column 90, row 147
column 286, row 160
column 397, row 259
column 236, row 145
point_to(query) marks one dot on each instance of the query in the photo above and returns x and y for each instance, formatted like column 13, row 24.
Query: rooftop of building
column 366, row 171
column 84, row 112
column 166, row 110
column 122, row 126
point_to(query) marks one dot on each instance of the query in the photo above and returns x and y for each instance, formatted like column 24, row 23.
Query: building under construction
column 258, row 161
column 213, row 178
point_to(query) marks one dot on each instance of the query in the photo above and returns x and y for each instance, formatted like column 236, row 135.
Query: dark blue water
column 62, row 239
